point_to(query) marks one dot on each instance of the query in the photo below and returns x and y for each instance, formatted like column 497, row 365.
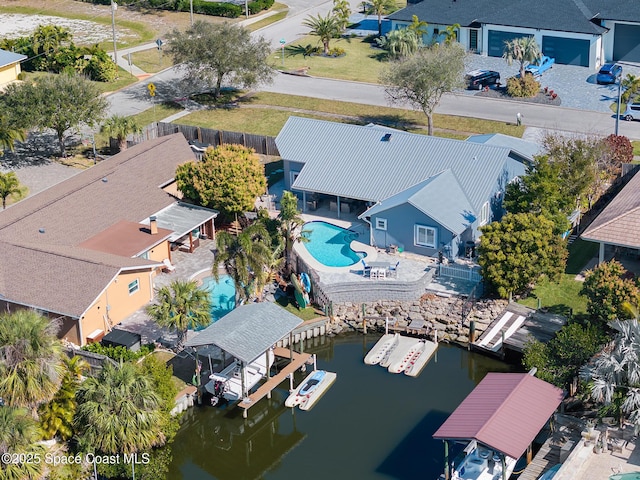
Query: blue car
column 609, row 73
column 541, row 66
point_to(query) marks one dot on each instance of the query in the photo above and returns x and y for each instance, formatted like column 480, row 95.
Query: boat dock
column 297, row 360
column 516, row 325
column 305, row 402
column 400, row 354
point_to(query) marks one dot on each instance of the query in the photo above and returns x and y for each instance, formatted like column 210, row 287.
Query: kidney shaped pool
column 331, row 245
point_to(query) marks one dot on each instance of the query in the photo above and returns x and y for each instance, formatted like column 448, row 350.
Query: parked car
column 543, row 64
column 632, row 111
column 609, row 73
column 478, row 79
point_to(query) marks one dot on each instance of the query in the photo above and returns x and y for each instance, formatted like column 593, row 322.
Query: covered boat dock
column 504, row 413
column 251, row 331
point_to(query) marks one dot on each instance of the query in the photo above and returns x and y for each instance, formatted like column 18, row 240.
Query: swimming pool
column 222, row 295
column 330, row 244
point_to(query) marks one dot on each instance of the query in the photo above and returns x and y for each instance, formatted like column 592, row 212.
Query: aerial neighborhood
column 378, row 239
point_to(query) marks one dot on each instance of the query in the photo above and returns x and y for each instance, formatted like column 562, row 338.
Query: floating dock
column 401, row 354
column 305, row 402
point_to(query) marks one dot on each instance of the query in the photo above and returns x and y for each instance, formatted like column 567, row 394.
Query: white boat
column 310, row 389
column 398, row 352
column 482, row 463
column 228, row 384
column 420, row 359
column 410, row 355
column 386, row 343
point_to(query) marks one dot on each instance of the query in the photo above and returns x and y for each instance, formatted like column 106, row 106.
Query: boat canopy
column 504, row 412
column 248, row 331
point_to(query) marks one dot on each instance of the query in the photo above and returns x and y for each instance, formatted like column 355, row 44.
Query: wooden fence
column 204, row 137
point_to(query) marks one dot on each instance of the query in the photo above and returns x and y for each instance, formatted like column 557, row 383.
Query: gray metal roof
column 248, row 331
column 354, row 161
column 182, row 218
column 7, row 58
column 524, row 147
column 440, row 197
column 568, row 15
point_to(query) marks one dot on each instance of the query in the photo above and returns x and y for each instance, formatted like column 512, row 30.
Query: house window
column 425, row 236
column 294, row 176
column 134, row 287
column 484, row 213
column 436, row 31
column 381, row 224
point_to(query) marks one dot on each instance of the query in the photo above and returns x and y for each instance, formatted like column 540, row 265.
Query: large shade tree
column 228, row 178
column 517, row 250
column 60, row 102
column 119, row 411
column 325, row 28
column 213, row 53
column 423, row 78
column 180, row 306
column 246, row 258
column 31, row 367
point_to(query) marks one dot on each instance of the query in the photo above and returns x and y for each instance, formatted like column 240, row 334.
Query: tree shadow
column 40, row 148
column 397, row 121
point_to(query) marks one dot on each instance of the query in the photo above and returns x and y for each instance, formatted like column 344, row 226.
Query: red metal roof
column 505, row 412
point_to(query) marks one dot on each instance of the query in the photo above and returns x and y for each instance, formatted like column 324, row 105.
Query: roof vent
column 41, row 230
column 387, row 137
column 104, row 180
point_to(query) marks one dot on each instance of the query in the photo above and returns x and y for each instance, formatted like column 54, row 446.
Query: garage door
column 626, row 43
column 496, row 41
column 567, row 51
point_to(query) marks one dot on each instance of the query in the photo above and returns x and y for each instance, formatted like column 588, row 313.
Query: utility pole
column 114, row 7
column 191, row 11
column 619, row 99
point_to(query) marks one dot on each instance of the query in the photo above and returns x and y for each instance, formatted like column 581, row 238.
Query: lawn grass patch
column 151, row 61
column 289, row 305
column 636, row 147
column 580, row 252
column 563, row 297
column 282, row 13
column 361, row 62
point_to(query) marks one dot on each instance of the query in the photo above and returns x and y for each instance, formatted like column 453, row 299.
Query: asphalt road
column 135, row 99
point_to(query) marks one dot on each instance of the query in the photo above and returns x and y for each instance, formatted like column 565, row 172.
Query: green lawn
column 580, row 252
column 308, row 313
column 253, row 117
column 560, row 297
column 636, row 147
column 151, row 61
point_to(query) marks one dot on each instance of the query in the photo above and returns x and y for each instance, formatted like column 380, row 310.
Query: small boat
column 549, row 474
column 305, row 281
column 311, row 389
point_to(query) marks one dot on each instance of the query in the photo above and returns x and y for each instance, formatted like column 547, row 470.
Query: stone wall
column 440, row 313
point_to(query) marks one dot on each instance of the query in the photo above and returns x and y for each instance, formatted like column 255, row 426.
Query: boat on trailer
column 310, row 389
column 227, row 384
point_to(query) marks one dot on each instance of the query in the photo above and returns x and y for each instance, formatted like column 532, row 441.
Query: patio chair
column 168, row 267
column 393, row 269
column 366, row 269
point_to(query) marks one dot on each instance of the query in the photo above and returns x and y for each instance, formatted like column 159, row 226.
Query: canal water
column 370, row 424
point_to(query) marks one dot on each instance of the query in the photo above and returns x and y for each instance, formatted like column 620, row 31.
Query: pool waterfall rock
column 440, row 313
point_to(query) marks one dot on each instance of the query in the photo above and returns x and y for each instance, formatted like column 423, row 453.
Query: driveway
column 576, row 86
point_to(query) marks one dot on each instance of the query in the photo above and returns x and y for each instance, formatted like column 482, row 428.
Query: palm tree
column 119, row 128
column 119, row 412
column 10, row 187
column 9, row 135
column 56, row 417
column 524, row 50
column 399, row 43
column 181, row 305
column 31, row 365
column 48, row 38
column 245, row 257
column 18, row 435
column 291, row 222
column 616, row 373
column 342, row 10
column 324, row 27
column 451, row 33
column 379, row 8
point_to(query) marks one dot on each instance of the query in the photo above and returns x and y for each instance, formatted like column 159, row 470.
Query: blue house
column 422, row 194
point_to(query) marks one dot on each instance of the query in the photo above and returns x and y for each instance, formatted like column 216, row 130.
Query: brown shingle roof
column 505, row 412
column 619, row 222
column 41, row 263
column 127, row 239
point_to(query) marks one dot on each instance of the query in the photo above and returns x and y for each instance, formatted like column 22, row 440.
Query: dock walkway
column 265, row 389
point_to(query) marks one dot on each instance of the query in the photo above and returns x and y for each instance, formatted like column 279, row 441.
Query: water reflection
column 370, row 424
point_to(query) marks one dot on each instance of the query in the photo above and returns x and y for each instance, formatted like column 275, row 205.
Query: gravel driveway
column 576, row 86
